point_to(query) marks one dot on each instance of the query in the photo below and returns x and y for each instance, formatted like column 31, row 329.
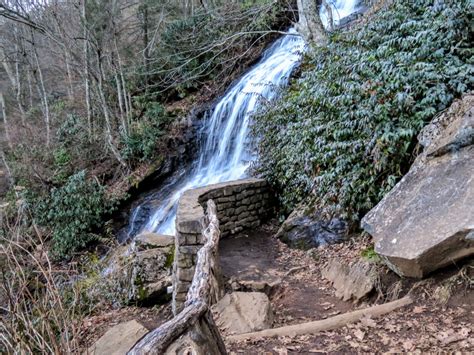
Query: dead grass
column 464, row 279
column 39, row 309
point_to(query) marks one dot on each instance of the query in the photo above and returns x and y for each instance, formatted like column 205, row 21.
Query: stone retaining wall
column 241, row 205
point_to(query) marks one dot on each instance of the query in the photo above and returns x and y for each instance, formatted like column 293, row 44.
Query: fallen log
column 326, row 324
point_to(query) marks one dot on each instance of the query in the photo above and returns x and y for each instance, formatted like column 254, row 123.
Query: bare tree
column 5, row 121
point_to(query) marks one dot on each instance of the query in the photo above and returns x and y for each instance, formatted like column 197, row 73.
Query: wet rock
column 119, row 339
column 309, row 231
column 142, row 274
column 351, row 281
column 243, row 312
column 427, row 220
column 137, row 220
column 151, row 276
column 153, row 240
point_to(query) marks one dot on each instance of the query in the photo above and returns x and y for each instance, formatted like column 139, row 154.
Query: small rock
column 350, row 281
column 243, row 312
column 119, row 339
column 263, row 284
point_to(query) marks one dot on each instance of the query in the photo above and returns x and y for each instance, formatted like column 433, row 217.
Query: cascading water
column 340, row 9
column 225, row 154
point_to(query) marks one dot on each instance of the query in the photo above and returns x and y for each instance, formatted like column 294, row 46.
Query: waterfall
column 340, row 10
column 225, row 154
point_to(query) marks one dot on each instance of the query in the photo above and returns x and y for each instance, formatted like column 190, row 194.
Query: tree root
column 326, row 324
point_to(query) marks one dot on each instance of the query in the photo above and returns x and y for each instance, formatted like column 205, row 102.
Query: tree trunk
column 70, row 87
column 329, row 14
column 85, row 52
column 18, row 87
column 146, row 44
column 122, row 88
column 5, row 122
column 105, row 109
column 30, row 86
column 42, row 89
column 121, row 104
column 309, row 24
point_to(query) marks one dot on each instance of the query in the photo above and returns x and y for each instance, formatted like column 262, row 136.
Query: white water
column 340, row 9
column 225, row 154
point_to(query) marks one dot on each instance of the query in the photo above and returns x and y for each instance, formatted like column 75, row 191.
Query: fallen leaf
column 368, row 322
column 419, row 309
column 293, row 348
column 281, row 351
column 385, row 339
column 407, row 344
column 359, row 334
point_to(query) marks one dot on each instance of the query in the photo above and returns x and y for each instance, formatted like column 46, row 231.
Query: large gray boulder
column 427, row 220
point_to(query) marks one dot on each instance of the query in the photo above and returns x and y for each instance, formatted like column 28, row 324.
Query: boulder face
column 427, row 220
column 304, row 231
column 141, row 273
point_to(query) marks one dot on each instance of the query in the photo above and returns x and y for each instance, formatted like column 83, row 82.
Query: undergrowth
column 345, row 132
column 210, row 46
column 73, row 212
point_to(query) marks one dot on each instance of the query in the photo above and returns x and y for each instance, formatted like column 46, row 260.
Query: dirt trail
column 300, row 294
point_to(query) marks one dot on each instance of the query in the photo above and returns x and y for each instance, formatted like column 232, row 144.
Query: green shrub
column 62, row 165
column 141, row 141
column 73, row 211
column 345, row 132
column 370, row 255
column 73, row 131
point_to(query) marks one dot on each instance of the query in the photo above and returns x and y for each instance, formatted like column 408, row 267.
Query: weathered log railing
column 194, row 323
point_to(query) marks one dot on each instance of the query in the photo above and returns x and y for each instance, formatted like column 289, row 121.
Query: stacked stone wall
column 241, row 205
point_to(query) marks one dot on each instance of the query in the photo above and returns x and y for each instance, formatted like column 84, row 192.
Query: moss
column 369, row 254
column 170, row 257
column 142, row 293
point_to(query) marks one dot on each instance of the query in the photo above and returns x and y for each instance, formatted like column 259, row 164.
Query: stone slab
column 350, row 281
column 119, row 339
